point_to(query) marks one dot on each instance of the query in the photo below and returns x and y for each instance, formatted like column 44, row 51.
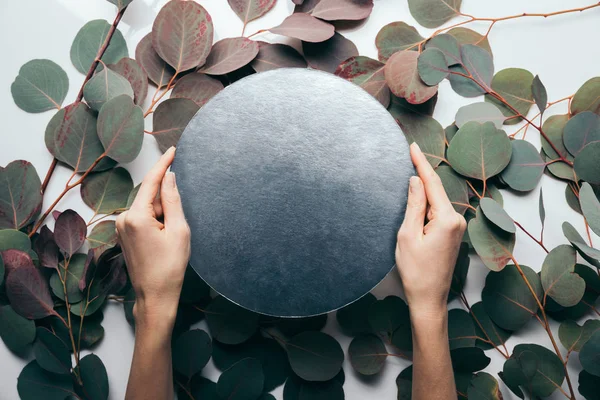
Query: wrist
column 155, row 315
column 429, row 313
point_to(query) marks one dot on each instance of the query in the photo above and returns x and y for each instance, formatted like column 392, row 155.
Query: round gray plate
column 294, row 183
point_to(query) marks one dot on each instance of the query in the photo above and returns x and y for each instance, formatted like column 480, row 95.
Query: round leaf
column 94, row 377
column 526, row 167
column 388, row 315
column 590, row 354
column 74, row 273
column 170, row 119
column 294, row 326
column 230, row 54
column 396, row 36
column 40, row 86
column 182, row 34
column 229, row 323
column 13, row 259
column 14, row 239
column 554, row 127
column 455, row 187
column 367, row 354
column 299, row 389
column 197, row 87
column 478, row 66
column 590, row 207
column 468, row 359
column 573, row 336
column 496, row 215
column 514, row 85
column 333, row 10
column 276, row 55
column 559, row 278
column 432, row 66
column 581, row 130
column 327, row 55
column 304, row 27
column 479, row 150
column 69, row 232
column 586, row 163
column 135, row 74
column 103, row 236
column 590, row 254
column 51, row 353
column 402, row 76
column 507, row 299
column 542, row 370
column 28, row 293
column 468, row 36
column 20, row 196
column 107, row 192
column 315, row 356
column 434, row 13
column 104, row 86
column 479, row 112
column 461, row 330
column 354, row 318
column 90, row 39
column 249, row 10
column 368, row 74
column 121, row 129
column 158, row 70
column 243, row 381
column 448, row 45
column 486, row 329
column 588, row 385
column 191, row 352
column 484, row 386
column 16, row 332
column 461, row 269
column 428, row 134
column 587, row 97
column 36, row 383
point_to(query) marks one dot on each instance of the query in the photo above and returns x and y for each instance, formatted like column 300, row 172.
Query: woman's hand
column 426, row 252
column 156, row 252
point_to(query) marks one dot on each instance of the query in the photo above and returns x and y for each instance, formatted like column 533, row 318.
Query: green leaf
column 299, row 389
column 243, row 381
column 91, row 303
column 104, row 86
column 28, row 293
column 170, row 119
column 456, row 188
column 554, row 127
column 20, row 196
column 478, row 66
column 102, row 237
column 461, row 269
column 191, row 352
column 573, row 336
column 581, row 130
column 294, row 326
column 367, row 354
column 131, row 70
column 2, row 270
column 448, row 45
column 230, row 54
column 586, row 163
column 485, row 328
column 590, row 354
column 199, row 388
column 121, row 4
column 588, row 385
column 590, row 254
column 250, row 10
column 354, row 318
column 479, row 150
column 542, row 209
column 315, row 356
column 229, row 323
column 468, row 359
column 14, row 239
column 402, row 76
column 493, row 245
column 51, row 353
column 121, row 128
column 484, row 386
column 526, row 167
column 388, row 315
column 559, row 278
column 40, row 86
column 396, row 36
column 514, row 85
column 35, row 383
column 16, row 332
column 587, row 98
column 432, row 66
column 94, row 377
column 496, row 215
column 368, row 74
column 90, row 39
column 182, row 34
column 507, row 299
column 540, row 96
column 157, row 69
column 107, row 192
column 428, row 134
column 194, row 289
column 276, row 55
column 469, row 36
column 590, row 206
column 434, row 13
column 196, row 87
column 461, row 330
column 479, row 112
column 74, row 274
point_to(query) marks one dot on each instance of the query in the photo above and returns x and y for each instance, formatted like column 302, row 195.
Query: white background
column 563, row 50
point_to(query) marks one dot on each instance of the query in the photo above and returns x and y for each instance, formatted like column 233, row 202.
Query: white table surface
column 562, row 50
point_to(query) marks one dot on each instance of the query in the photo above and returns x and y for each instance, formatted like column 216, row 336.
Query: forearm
column 151, row 375
column 433, row 378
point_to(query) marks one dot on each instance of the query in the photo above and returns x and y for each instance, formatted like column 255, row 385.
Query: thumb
column 171, row 202
column 416, row 207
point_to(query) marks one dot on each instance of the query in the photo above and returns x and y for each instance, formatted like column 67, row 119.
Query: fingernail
column 416, row 147
column 170, row 149
column 170, row 178
column 413, row 183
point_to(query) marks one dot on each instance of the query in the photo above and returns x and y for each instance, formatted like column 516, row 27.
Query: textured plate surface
column 294, row 183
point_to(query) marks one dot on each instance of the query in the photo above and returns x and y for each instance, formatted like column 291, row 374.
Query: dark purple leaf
column 46, row 248
column 332, row 10
column 135, row 74
column 182, row 34
column 271, row 56
column 20, row 196
column 197, row 87
column 69, row 232
column 110, row 273
column 170, row 119
column 249, row 10
column 55, row 214
column 230, row 54
column 329, row 54
column 14, row 259
column 368, row 74
column 29, row 293
column 157, row 69
column 403, row 78
column 306, row 6
column 304, row 27
column 89, row 269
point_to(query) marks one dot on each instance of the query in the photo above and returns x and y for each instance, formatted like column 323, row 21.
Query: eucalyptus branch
column 156, row 99
column 531, row 236
column 63, row 280
column 89, row 75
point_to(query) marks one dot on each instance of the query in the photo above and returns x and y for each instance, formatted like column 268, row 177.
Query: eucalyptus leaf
column 197, row 87
column 14, row 259
column 434, row 13
column 170, row 119
column 402, row 76
column 461, row 330
column 396, row 36
column 90, row 39
column 349, row 10
column 315, row 356
column 590, row 205
column 182, row 34
column 107, row 192
column 28, row 293
column 541, row 377
column 587, row 97
column 479, row 112
column 121, row 4
column 243, row 381
column 541, row 208
column 94, row 377
column 461, row 269
column 368, row 74
column 590, row 254
column 432, row 66
column 157, row 69
column 559, row 278
column 354, row 318
column 540, row 96
column 468, row 36
column 388, row 315
column 554, row 127
column 590, row 353
column 71, row 275
column 277, row 55
column 526, row 167
column 514, row 85
column 121, row 128
column 69, row 232
column 131, row 70
column 51, row 352
column 294, row 326
column 586, row 163
column 588, row 385
column 104, row 86
column 250, row 10
column 36, row 383
column 428, row 134
column 40, row 86
column 103, row 236
column 230, row 54
column 191, row 352
column 14, row 239
column 20, row 196
column 304, row 27
column 487, row 329
column 16, row 332
column 581, row 130
column 484, row 386
column 496, row 215
column 468, row 359
column 474, row 77
column 229, row 323
column 299, row 389
column 573, row 336
column 455, row 187
column 448, row 45
column 367, row 354
column 327, row 55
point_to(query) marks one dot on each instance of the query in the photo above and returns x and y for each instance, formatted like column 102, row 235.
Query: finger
column 151, row 183
column 415, row 208
column 157, row 208
column 171, row 203
column 436, row 195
